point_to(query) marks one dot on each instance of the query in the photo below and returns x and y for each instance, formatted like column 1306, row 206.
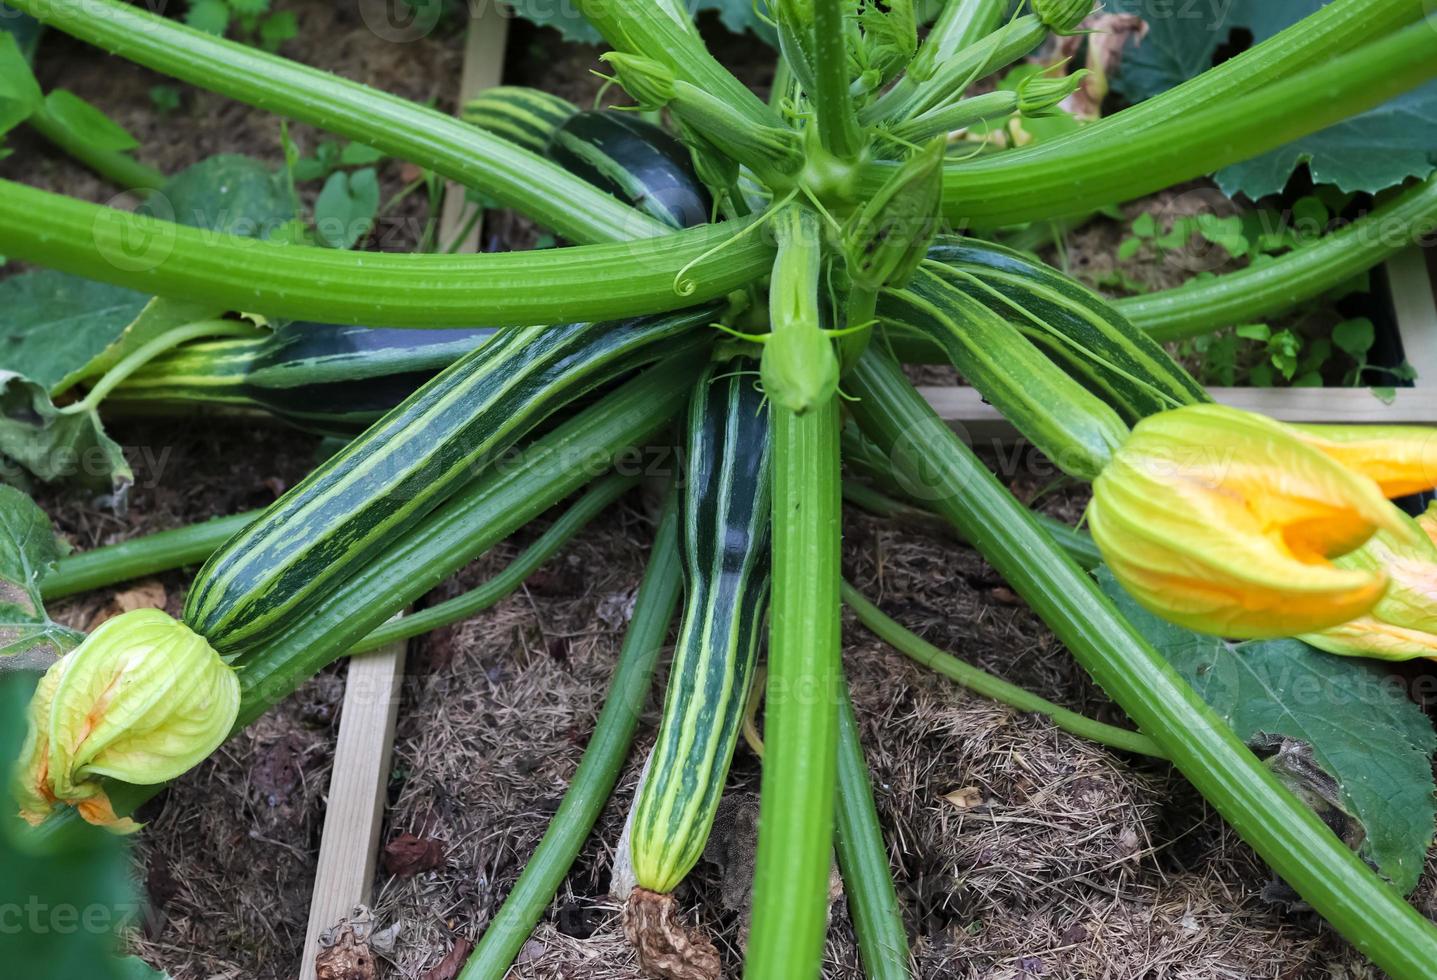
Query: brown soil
column 1018, row 851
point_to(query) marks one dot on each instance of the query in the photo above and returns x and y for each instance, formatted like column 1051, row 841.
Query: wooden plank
column 483, row 68
column 964, row 410
column 1415, row 306
column 349, row 846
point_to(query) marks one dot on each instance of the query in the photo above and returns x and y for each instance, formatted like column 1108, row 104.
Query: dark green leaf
column 1354, row 337
column 27, row 29
column 53, row 323
column 345, row 208
column 1361, row 727
column 228, row 192
column 210, row 16
column 19, row 92
column 277, row 28
column 29, row 639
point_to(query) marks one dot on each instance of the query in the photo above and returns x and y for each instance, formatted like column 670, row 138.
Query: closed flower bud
column 142, row 700
column 1403, row 624
column 1040, row 96
column 885, row 241
column 650, row 83
column 1227, row 522
column 1062, row 16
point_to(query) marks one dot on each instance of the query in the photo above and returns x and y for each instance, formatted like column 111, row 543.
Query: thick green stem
column 598, row 497
column 1338, row 27
column 981, row 682
column 1276, row 286
column 590, row 282
column 120, row 169
column 795, row 841
column 1288, row 835
column 1010, row 188
column 664, row 30
column 512, row 175
column 994, row 52
column 159, row 552
column 863, row 859
column 599, row 768
column 991, row 106
column 837, row 122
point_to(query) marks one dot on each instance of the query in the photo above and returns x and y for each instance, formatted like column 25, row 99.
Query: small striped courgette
column 522, row 115
column 325, row 378
column 725, row 549
column 1076, row 429
column 1076, row 328
column 306, row 543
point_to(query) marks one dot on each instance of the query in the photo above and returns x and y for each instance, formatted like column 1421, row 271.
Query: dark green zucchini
column 635, row 161
column 1075, row 428
column 329, row 379
column 725, row 551
column 349, row 509
column 1074, row 326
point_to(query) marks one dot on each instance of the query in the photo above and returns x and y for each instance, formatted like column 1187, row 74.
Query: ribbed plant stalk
column 959, row 24
column 795, row 840
column 979, row 681
column 1288, row 835
column 1011, row 188
column 598, row 770
column 1274, row 287
column 833, row 105
column 158, row 552
column 1338, row 27
column 863, row 859
column 427, row 137
column 562, row 285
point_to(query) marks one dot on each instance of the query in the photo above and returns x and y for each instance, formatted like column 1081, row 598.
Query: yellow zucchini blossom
column 142, row 699
column 1403, row 624
column 1227, row 522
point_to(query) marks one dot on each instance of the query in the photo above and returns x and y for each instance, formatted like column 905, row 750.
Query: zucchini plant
column 766, row 263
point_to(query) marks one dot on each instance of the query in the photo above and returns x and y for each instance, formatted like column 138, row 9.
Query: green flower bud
column 1040, row 96
column 650, row 83
column 886, row 240
column 1062, row 16
column 142, row 700
column 770, row 151
column 799, row 369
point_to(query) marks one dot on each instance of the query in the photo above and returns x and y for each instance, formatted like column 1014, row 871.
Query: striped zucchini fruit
column 329, row 379
column 1076, row 328
column 636, row 162
column 526, row 116
column 1076, row 429
column 725, row 552
column 305, row 544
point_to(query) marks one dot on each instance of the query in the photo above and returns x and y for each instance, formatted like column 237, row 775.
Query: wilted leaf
column 407, row 855
column 58, row 446
column 1362, row 729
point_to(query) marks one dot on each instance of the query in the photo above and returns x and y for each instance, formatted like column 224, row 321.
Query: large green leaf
column 562, row 15
column 228, row 192
column 66, row 896
column 1369, row 152
column 54, row 323
column 1359, row 727
column 28, row 550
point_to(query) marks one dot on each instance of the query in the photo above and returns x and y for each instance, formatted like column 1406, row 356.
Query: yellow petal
column 1223, row 521
column 1402, row 459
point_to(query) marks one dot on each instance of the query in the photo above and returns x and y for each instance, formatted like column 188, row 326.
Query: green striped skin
column 330, row 379
column 304, row 545
column 1076, row 429
column 1074, row 326
column 725, row 551
column 636, row 162
column 525, row 116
